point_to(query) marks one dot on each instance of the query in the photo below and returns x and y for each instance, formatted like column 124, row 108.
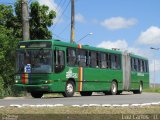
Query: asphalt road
column 125, row 98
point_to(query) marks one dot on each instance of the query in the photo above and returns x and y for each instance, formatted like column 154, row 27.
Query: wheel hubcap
column 140, row 88
column 69, row 88
column 114, row 88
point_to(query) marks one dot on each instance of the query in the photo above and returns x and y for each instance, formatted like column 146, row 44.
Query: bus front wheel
column 69, row 89
column 36, row 94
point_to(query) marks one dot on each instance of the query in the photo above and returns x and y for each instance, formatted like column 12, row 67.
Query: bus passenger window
column 93, row 59
column 103, row 62
column 108, row 61
column 82, row 58
column 139, row 66
column 146, row 64
column 113, row 61
column 71, row 57
column 136, row 64
column 132, row 64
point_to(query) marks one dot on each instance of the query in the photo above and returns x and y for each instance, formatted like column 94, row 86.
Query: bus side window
column 71, row 57
column 146, row 64
column 103, row 62
column 118, row 61
column 139, row 65
column 132, row 64
column 59, row 61
column 109, row 61
column 142, row 66
column 114, row 61
column 93, row 59
column 136, row 64
column 82, row 58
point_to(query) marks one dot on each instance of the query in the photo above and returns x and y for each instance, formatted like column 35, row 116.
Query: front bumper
column 30, row 88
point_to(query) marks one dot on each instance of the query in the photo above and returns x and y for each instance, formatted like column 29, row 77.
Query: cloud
column 52, row 6
column 123, row 45
column 50, row 3
column 80, row 18
column 155, row 65
column 150, row 37
column 120, row 44
column 116, row 23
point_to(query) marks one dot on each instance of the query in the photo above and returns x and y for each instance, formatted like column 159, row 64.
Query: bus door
column 126, row 70
column 59, row 59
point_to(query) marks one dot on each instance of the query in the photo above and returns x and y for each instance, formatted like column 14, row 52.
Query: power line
column 29, row 1
column 59, row 8
column 58, row 36
column 62, row 4
column 64, row 28
column 61, row 15
column 58, row 4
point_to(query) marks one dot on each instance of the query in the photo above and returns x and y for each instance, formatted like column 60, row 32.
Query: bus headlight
column 16, row 81
column 48, row 82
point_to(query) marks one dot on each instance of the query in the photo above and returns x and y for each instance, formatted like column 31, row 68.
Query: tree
column 40, row 19
column 11, row 32
column 7, row 50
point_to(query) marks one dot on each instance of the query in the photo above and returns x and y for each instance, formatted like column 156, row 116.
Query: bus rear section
column 135, row 73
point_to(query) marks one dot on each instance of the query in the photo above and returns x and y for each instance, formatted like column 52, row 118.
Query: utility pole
column 72, row 22
column 25, row 20
column 154, row 79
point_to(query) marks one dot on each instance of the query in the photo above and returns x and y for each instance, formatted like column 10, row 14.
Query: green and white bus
column 53, row 66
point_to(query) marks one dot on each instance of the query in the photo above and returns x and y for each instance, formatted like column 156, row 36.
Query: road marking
column 94, row 105
column 76, row 106
column 155, row 103
column 86, row 105
column 135, row 104
column 116, row 105
column 106, row 105
column 58, row 105
column 125, row 105
column 15, row 105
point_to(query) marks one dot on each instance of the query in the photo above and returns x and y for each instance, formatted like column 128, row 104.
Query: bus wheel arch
column 69, row 88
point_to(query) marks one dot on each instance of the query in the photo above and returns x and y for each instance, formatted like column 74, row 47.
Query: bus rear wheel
column 69, row 89
column 88, row 93
column 114, row 88
column 36, row 94
column 140, row 89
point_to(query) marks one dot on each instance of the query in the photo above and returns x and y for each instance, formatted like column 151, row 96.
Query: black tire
column 69, row 89
column 114, row 88
column 36, row 94
column 107, row 93
column 88, row 93
column 139, row 91
column 119, row 92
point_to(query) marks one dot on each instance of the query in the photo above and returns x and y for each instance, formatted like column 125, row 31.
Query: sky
column 132, row 25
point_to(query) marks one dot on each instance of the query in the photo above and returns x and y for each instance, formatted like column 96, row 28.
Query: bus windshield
column 34, row 61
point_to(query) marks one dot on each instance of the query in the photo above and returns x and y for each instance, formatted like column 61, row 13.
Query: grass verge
column 156, row 90
column 79, row 113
